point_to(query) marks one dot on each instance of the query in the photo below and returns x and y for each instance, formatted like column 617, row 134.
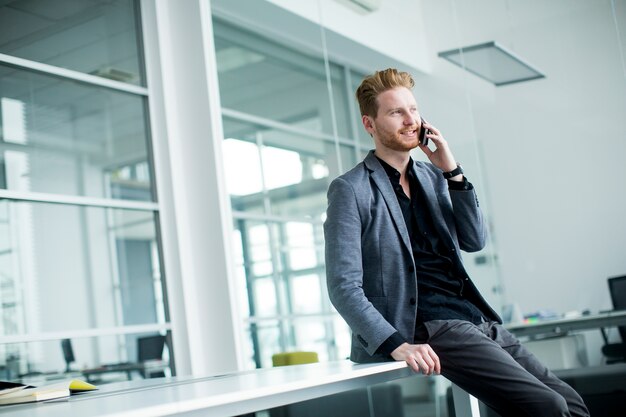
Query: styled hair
column 378, row 83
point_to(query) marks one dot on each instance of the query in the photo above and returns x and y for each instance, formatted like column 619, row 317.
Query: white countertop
column 221, row 395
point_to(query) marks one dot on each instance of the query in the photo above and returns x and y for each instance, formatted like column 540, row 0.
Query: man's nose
column 409, row 119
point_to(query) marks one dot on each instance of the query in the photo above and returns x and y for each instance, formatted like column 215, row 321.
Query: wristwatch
column 456, row 171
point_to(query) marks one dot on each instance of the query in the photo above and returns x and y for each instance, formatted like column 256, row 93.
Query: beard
column 397, row 141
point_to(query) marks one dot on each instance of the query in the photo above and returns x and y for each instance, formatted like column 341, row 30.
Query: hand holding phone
column 423, row 139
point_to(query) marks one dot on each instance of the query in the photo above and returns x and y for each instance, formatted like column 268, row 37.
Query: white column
column 195, row 217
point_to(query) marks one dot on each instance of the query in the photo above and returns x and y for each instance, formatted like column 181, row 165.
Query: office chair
column 616, row 352
column 150, row 348
column 68, row 353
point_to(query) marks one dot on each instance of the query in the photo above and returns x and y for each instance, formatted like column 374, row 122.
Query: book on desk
column 15, row 393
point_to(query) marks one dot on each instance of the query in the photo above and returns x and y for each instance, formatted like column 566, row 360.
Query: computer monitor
column 68, row 353
column 617, row 288
column 150, row 347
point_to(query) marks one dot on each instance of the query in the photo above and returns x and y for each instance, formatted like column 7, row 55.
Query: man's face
column 397, row 124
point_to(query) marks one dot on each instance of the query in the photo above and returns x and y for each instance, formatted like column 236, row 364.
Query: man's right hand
column 422, row 358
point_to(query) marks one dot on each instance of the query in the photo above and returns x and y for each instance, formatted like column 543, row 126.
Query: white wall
column 552, row 148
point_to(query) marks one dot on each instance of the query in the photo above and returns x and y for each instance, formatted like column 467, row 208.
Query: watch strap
column 456, row 171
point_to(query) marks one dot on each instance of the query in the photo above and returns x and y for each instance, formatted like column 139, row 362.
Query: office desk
column 92, row 374
column 143, row 368
column 562, row 326
column 228, row 395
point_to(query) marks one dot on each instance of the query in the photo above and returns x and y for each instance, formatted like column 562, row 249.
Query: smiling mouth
column 409, row 132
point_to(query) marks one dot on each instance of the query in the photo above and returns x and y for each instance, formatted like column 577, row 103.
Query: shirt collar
column 394, row 174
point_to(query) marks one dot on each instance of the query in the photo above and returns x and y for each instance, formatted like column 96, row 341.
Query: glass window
column 312, row 335
column 279, row 132
column 96, row 37
column 306, row 294
column 364, row 138
column 268, row 337
column 126, row 357
column 280, row 264
column 65, row 268
column 287, row 173
column 300, row 244
column 60, row 136
column 281, row 269
column 72, row 267
column 259, row 77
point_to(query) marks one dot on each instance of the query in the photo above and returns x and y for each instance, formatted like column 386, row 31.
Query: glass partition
column 98, row 360
column 289, row 171
column 262, row 78
column 282, row 288
column 112, row 278
column 64, row 137
column 94, row 37
column 280, row 202
column 79, row 248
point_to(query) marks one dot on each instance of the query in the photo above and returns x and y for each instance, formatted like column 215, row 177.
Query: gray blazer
column 368, row 251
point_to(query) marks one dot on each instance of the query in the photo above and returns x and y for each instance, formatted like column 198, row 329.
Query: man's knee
column 553, row 404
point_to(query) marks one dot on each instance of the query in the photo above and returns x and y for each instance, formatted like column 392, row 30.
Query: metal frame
column 35, row 197
column 72, row 75
column 74, row 334
column 261, row 121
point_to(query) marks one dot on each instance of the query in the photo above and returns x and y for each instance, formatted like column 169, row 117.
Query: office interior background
column 164, row 165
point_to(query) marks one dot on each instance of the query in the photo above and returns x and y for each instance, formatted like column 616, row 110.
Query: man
column 394, row 231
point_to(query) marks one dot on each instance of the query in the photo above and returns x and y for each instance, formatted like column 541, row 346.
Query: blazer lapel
column 378, row 174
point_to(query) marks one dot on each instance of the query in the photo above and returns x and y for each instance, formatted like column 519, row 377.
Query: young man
column 394, row 231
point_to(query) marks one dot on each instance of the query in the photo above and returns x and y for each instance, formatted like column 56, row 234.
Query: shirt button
column 412, row 301
column 452, row 250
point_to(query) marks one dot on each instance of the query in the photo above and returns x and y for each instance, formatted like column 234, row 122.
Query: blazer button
column 412, row 301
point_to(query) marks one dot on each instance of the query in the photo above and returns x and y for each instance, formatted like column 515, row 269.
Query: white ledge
column 222, row 395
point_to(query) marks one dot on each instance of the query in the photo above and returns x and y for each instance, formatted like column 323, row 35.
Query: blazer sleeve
column 468, row 217
column 344, row 268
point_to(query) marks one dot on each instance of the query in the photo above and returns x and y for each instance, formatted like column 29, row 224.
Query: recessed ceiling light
column 491, row 62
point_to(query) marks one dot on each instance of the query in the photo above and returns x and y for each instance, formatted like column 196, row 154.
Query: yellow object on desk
column 294, row 358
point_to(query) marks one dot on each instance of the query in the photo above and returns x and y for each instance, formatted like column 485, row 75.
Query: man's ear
column 368, row 123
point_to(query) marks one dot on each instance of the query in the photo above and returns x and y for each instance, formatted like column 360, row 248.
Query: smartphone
column 423, row 139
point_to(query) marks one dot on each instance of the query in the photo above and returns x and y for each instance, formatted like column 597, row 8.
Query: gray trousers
column 491, row 364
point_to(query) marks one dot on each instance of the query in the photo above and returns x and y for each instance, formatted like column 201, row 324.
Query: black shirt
column 440, row 284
